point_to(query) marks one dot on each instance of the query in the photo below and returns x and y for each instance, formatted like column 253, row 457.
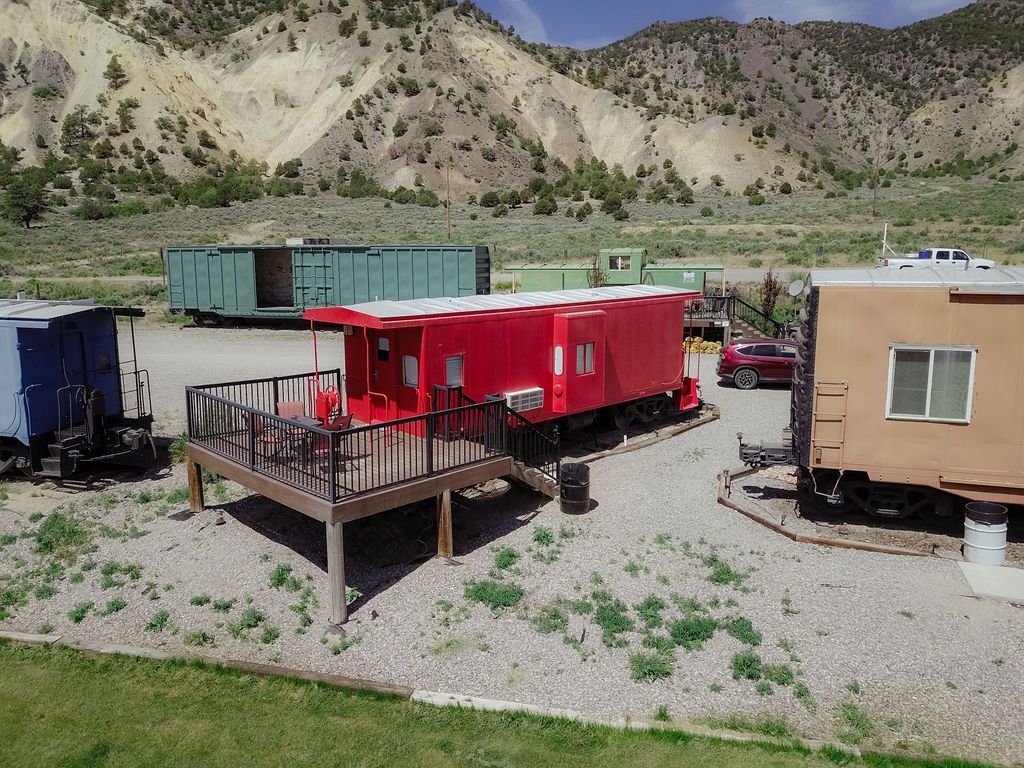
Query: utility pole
column 874, row 187
column 448, row 202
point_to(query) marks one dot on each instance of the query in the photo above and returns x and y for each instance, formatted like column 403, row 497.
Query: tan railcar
column 909, row 389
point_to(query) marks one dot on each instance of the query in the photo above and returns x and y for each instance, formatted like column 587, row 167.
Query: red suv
column 748, row 362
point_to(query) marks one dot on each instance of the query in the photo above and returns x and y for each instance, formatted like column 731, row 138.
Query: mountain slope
column 396, row 88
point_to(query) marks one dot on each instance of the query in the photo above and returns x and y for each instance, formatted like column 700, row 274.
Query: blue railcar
column 67, row 397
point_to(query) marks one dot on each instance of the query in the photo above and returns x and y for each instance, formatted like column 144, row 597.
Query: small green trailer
column 615, row 266
column 279, row 282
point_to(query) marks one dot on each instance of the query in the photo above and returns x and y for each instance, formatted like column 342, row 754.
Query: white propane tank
column 985, row 533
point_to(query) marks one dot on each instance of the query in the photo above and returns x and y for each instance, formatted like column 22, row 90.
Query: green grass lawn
column 61, row 708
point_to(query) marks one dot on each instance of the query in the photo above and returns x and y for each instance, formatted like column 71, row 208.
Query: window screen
column 931, row 383
column 410, row 371
column 585, row 358
column 453, row 371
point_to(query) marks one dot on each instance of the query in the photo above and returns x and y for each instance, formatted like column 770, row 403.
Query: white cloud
column 794, row 11
column 520, row 15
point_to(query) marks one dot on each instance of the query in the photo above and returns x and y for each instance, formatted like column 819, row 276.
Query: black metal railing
column 338, row 465
column 266, row 394
column 733, row 307
column 533, row 446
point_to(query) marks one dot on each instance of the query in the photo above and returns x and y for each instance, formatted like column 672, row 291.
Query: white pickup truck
column 935, row 257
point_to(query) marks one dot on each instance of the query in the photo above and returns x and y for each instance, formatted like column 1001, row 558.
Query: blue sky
column 592, row 23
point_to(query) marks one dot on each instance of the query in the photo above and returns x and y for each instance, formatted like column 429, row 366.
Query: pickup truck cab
column 935, row 257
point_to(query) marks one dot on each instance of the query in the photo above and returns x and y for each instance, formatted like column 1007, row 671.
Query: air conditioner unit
column 525, row 399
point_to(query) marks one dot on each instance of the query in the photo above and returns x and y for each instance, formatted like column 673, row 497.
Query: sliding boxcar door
column 313, row 273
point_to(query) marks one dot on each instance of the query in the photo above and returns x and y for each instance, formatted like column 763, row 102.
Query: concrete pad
column 996, row 581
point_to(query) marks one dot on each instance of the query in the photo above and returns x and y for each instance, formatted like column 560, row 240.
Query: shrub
column 499, row 211
column 707, row 211
column 489, row 199
column 786, row 188
column 621, row 215
column 505, row 558
column 59, row 531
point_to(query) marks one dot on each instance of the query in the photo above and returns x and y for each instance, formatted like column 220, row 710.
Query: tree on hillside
column 114, row 73
column 292, row 45
column 25, row 198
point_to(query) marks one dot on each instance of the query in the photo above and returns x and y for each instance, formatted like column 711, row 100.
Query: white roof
column 997, row 279
column 447, row 306
column 37, row 310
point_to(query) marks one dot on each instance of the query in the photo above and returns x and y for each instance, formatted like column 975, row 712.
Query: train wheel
column 941, row 512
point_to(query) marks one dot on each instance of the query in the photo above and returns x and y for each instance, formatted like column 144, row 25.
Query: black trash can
column 574, row 488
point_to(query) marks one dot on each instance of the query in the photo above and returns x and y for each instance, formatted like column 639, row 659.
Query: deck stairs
column 534, row 478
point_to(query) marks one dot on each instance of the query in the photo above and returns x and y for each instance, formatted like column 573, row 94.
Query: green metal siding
column 222, row 279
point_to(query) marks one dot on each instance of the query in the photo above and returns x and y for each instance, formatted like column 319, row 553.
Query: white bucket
column 985, row 533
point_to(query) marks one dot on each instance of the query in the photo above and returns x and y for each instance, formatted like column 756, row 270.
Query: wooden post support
column 445, row 547
column 336, row 573
column 196, row 502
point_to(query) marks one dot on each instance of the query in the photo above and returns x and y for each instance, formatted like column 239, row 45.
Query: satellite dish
column 796, row 288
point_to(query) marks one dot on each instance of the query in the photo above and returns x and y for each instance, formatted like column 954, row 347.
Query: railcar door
column 578, row 370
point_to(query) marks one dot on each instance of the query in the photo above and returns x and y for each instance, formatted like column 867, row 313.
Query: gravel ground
column 893, row 651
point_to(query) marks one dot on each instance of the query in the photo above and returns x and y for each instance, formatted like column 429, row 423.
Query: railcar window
column 383, row 350
column 559, row 361
column 931, row 383
column 585, row 358
column 410, row 371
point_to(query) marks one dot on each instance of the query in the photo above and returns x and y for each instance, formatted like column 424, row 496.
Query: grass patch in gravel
column 224, row 605
column 79, row 612
column 780, row 674
column 112, row 569
column 107, row 707
column 505, row 558
column 855, row 725
column 648, row 667
column 493, row 594
column 743, row 630
column 803, row 694
column 200, row 639
column 281, row 578
column 746, row 666
column 611, row 616
column 722, row 572
column 551, row 618
column 113, row 606
column 60, row 532
column 45, row 591
column 159, row 622
column 693, row 631
column 307, row 602
column 650, row 610
column 199, row 600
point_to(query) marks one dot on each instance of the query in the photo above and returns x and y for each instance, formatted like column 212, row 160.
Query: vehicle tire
column 746, row 378
column 982, row 267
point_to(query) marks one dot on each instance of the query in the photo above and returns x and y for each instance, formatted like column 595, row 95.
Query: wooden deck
column 363, row 505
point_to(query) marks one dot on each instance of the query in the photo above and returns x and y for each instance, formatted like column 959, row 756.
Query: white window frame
column 932, row 349
column 414, row 380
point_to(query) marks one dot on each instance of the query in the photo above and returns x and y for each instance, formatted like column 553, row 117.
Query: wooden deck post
column 196, row 502
column 336, row 573
column 445, row 547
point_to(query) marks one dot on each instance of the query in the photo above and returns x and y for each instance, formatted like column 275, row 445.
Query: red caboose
column 551, row 355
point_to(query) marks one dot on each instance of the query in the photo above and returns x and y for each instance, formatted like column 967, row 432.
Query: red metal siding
column 638, row 351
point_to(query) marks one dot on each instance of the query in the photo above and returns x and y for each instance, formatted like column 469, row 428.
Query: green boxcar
column 615, row 266
column 270, row 282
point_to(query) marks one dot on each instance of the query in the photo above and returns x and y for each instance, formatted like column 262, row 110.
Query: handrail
column 754, row 316
column 544, row 445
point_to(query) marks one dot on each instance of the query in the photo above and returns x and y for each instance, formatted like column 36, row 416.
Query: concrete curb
column 725, row 499
column 431, row 698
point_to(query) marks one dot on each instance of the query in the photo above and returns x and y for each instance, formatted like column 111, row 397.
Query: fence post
column 332, row 465
column 252, row 440
column 430, row 443
column 272, row 408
